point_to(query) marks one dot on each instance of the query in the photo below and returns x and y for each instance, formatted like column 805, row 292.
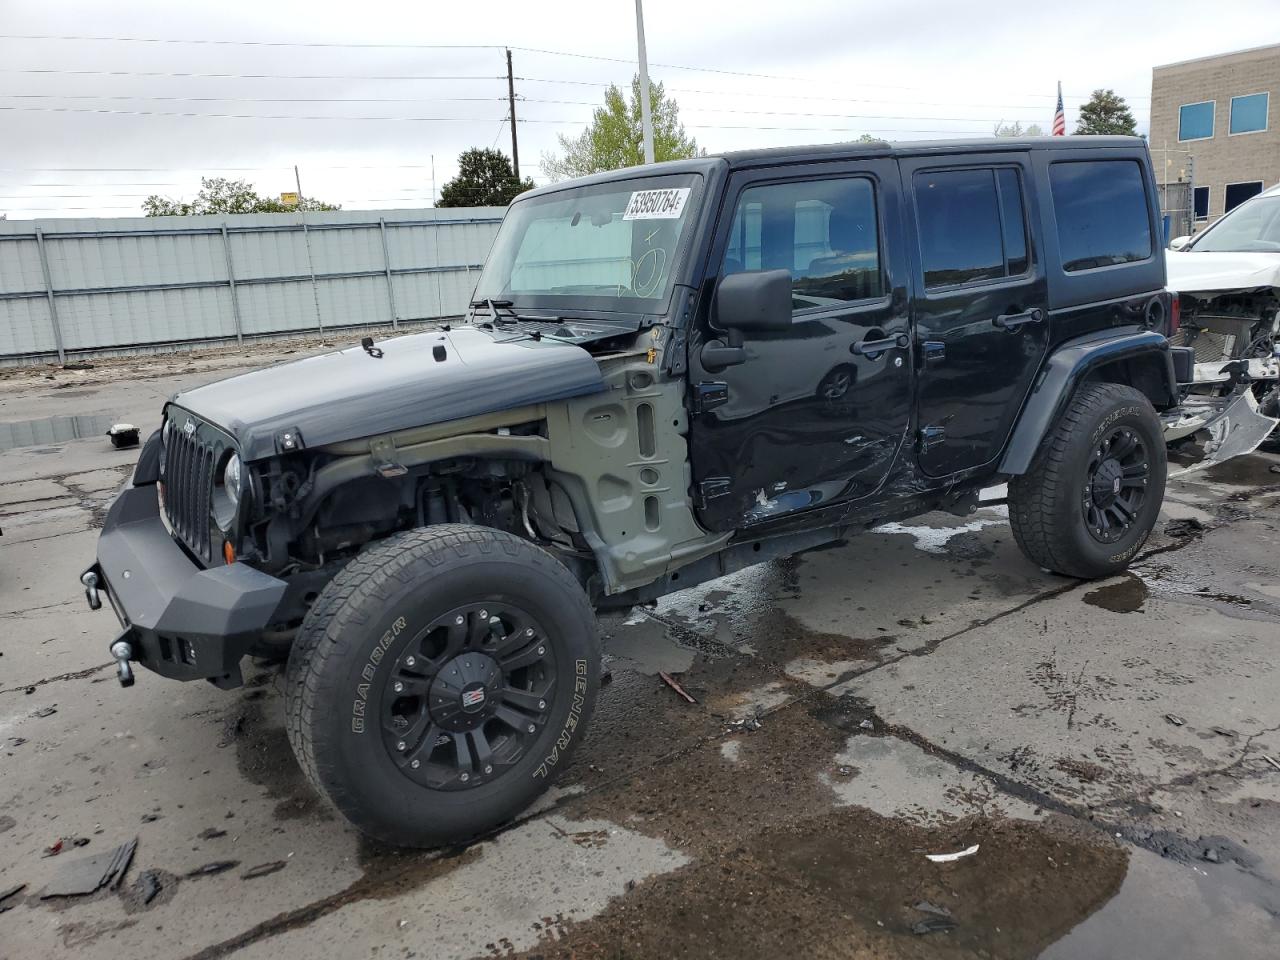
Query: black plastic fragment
column 212, row 869
column 264, row 869
column 148, row 886
column 7, row 897
column 77, row 878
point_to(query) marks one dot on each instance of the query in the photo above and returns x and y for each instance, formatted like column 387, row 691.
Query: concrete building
column 1215, row 132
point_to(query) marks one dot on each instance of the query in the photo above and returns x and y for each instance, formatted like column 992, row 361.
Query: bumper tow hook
column 90, row 581
column 122, row 650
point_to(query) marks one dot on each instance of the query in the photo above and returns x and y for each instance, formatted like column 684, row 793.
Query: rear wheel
column 441, row 681
column 1093, row 493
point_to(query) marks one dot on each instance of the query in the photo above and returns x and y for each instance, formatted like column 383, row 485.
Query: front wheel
column 1093, row 493
column 441, row 681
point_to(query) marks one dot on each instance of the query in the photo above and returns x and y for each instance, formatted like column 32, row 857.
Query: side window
column 972, row 225
column 824, row 231
column 1101, row 209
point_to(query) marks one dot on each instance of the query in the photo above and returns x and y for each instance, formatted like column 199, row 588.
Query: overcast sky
column 87, row 127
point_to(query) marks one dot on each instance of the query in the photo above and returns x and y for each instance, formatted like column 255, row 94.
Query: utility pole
column 646, row 120
column 297, row 180
column 511, row 102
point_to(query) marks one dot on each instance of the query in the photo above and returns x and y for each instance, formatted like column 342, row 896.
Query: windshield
column 1253, row 227
column 611, row 246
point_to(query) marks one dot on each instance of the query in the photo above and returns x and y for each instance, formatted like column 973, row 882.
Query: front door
column 982, row 319
column 815, row 413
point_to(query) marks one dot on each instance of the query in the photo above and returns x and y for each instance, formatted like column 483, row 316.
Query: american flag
column 1059, row 118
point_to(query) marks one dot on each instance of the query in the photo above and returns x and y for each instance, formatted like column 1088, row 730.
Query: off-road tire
column 403, row 580
column 1045, row 503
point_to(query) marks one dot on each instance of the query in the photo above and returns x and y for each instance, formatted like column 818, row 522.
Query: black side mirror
column 757, row 300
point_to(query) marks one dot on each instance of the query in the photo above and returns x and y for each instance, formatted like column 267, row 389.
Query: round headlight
column 231, row 479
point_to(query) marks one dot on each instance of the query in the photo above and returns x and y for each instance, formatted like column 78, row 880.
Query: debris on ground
column 1183, row 527
column 1176, row 720
column 1210, row 855
column 949, row 857
column 211, row 869
column 210, row 833
column 7, row 901
column 151, row 817
column 1271, row 761
column 1276, row 468
column 924, row 906
column 78, row 365
column 264, row 869
column 933, row 925
column 81, row 877
column 53, row 849
column 123, row 435
column 1223, row 731
column 671, row 682
column 45, row 712
column 147, row 886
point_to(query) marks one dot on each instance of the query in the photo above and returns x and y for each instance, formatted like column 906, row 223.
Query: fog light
column 229, row 553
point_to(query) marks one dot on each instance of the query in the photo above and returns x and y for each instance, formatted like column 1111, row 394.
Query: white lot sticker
column 657, row 204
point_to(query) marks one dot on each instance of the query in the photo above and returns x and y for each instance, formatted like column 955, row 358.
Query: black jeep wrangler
column 667, row 373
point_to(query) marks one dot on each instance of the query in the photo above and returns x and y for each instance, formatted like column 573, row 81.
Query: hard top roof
column 740, row 159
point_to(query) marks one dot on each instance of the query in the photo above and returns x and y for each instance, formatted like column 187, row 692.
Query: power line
column 445, row 46
column 245, row 76
column 115, row 97
column 474, row 77
column 576, row 103
column 314, row 117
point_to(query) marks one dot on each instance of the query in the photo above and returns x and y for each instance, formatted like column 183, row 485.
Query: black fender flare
column 1069, row 364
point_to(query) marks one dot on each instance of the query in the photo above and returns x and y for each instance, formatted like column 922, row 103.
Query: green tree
column 220, row 195
column 1105, row 113
column 485, row 179
column 613, row 138
column 1016, row 129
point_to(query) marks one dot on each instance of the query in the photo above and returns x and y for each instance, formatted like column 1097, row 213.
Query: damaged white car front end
column 1227, row 282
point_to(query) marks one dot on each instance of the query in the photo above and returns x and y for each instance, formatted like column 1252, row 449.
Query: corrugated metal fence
column 75, row 286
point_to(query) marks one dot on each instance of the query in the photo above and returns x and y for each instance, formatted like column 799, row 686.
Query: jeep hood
column 1210, row 272
column 420, row 379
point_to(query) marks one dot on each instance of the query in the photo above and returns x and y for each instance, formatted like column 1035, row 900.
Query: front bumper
column 180, row 620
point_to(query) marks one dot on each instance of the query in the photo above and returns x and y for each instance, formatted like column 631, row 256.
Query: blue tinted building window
column 1238, row 193
column 1101, row 209
column 1200, row 198
column 1249, row 114
column 1195, row 121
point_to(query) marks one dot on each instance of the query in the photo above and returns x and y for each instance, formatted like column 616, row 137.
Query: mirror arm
column 717, row 354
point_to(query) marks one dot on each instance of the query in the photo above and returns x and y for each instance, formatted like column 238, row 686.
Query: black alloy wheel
column 467, row 695
column 1116, row 487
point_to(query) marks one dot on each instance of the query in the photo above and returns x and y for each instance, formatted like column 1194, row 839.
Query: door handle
column 1012, row 321
column 864, row 348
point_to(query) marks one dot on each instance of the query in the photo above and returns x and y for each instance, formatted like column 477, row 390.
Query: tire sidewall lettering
column 576, row 706
column 364, row 685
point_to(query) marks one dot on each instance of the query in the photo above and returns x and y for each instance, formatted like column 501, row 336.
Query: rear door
column 982, row 318
column 816, row 413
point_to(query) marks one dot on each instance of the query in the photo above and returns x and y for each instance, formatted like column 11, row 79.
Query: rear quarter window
column 1102, row 215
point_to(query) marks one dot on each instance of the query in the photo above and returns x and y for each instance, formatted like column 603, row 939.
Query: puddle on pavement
column 778, row 870
column 1127, row 595
column 1250, row 471
column 53, row 430
column 1221, row 911
column 1131, row 591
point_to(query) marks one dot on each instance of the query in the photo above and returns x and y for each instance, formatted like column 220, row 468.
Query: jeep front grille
column 188, row 489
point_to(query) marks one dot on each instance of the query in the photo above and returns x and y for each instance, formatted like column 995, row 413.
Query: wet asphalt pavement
column 1111, row 749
